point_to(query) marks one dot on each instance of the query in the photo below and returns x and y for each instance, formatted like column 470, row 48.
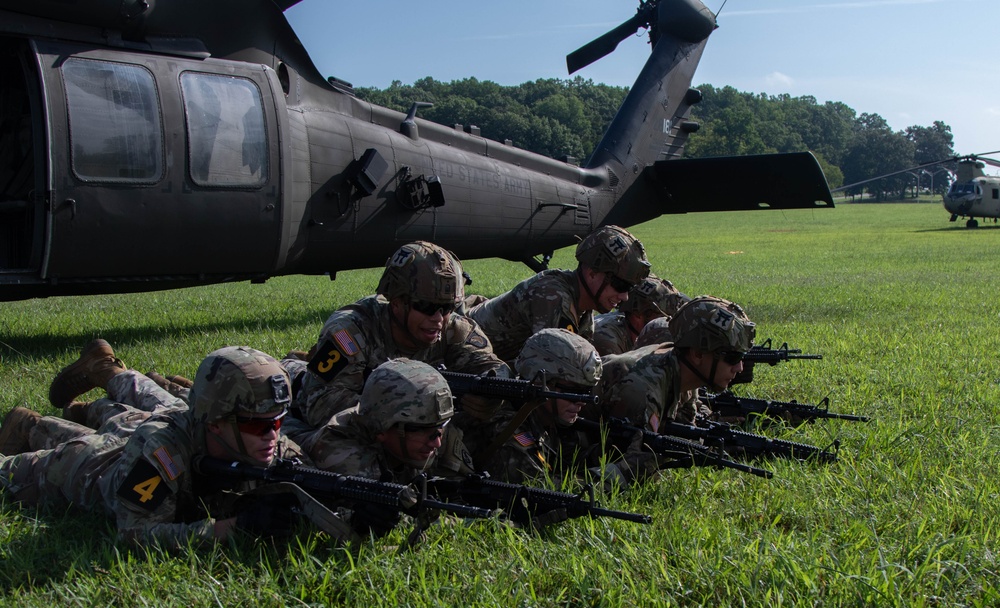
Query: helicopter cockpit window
column 227, row 141
column 114, row 121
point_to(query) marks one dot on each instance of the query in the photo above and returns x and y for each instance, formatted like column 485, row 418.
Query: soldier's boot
column 95, row 367
column 76, row 412
column 181, row 381
column 169, row 384
column 17, row 425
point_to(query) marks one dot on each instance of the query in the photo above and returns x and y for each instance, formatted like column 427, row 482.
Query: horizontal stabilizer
column 740, row 183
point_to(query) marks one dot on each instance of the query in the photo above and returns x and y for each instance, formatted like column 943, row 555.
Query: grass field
column 902, row 304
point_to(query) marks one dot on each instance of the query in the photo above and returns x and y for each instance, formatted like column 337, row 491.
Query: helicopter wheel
column 972, row 224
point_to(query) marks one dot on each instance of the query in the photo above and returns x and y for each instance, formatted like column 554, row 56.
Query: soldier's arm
column 336, row 372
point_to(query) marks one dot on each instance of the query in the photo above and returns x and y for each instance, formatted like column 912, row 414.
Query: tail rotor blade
column 603, row 45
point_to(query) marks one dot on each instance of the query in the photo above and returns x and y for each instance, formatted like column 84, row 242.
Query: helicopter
column 972, row 194
column 145, row 146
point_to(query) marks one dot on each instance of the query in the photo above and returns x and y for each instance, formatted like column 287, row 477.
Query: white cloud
column 779, row 80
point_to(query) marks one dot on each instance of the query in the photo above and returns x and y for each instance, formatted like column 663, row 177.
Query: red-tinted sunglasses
column 259, row 426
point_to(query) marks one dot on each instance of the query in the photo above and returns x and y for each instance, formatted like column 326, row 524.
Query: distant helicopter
column 973, row 193
column 153, row 144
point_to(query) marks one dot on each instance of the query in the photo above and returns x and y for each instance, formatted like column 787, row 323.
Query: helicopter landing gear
column 972, row 224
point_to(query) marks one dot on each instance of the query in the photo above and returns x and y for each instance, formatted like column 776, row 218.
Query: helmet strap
column 401, row 325
column 709, row 382
column 586, row 288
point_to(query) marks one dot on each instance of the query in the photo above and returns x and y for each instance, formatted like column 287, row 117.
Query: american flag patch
column 346, row 342
column 526, row 439
column 168, row 464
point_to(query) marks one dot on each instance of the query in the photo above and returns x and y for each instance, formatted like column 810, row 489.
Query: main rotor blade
column 603, row 45
column 907, row 170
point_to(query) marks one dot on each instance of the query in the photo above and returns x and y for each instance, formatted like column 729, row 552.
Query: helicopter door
column 162, row 167
column 22, row 159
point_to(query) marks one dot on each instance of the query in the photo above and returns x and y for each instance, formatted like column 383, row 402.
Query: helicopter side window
column 227, row 141
column 114, row 121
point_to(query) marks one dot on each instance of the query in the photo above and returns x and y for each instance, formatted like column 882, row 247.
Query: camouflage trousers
column 68, row 458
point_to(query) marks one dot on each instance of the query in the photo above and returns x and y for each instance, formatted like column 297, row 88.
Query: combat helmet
column 653, row 295
column 656, row 331
column 238, row 379
column 615, row 251
column 712, row 325
column 422, row 271
column 403, row 391
column 561, row 354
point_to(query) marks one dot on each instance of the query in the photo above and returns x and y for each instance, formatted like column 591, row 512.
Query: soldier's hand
column 370, row 518
column 268, row 515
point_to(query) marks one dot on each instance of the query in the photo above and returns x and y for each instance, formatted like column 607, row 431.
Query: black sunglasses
column 619, row 284
column 732, row 357
column 430, row 308
column 259, row 426
column 432, row 432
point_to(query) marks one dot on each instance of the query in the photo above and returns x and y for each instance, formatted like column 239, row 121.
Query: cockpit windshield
column 958, row 189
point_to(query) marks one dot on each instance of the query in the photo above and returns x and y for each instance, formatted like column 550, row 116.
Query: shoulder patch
column 330, row 357
column 567, row 324
column 477, row 339
column 144, row 487
column 525, row 439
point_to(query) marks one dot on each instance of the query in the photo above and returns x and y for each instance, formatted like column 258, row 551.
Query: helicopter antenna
column 721, row 7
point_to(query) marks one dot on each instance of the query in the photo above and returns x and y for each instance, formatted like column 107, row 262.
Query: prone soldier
column 610, row 262
column 652, row 298
column 410, row 317
column 659, row 382
column 147, row 477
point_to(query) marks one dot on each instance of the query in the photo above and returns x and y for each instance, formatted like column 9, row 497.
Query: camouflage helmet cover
column 560, row 354
column 238, row 379
column 712, row 325
column 656, row 331
column 653, row 295
column 403, row 391
column 615, row 251
column 423, row 271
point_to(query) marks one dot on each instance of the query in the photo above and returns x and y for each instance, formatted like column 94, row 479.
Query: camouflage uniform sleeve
column 468, row 351
column 610, row 336
column 336, row 373
column 552, row 303
column 148, row 482
column 639, row 396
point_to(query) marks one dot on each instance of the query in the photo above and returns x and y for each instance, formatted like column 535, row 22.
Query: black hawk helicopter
column 153, row 144
column 972, row 194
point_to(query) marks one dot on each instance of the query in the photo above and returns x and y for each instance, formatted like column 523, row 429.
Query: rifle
column 523, row 502
column 683, row 453
column 728, row 405
column 763, row 353
column 514, row 389
column 723, row 435
column 326, row 486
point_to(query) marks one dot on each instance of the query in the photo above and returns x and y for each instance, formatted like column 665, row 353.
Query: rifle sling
column 508, row 431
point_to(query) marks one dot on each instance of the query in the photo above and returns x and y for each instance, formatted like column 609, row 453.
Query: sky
column 910, row 61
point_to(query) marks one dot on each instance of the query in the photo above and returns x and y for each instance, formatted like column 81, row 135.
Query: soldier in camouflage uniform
column 652, row 298
column 410, row 318
column 660, row 381
column 539, row 440
column 610, row 262
column 148, row 478
column 532, row 448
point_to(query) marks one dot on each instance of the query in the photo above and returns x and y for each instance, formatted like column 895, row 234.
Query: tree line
column 559, row 118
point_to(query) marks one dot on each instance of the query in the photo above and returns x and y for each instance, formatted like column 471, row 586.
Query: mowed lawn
column 902, row 304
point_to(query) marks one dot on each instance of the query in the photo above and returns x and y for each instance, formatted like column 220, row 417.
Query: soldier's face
column 417, row 445
column 259, row 433
column 417, row 329
column 724, row 372
column 607, row 296
column 568, row 411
